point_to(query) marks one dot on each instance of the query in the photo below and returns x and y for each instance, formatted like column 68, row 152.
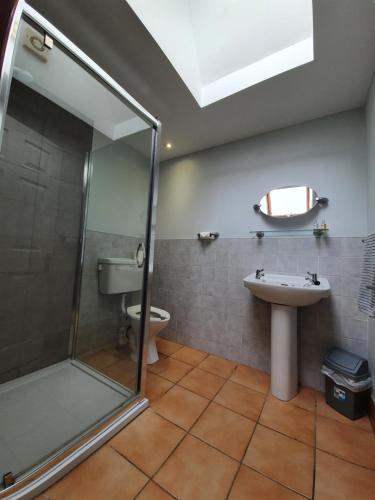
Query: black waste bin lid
column 347, row 363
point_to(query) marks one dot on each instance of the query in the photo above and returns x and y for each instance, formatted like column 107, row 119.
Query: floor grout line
column 150, row 480
column 275, row 481
column 128, row 460
column 314, row 467
column 285, row 435
column 351, row 426
column 346, row 460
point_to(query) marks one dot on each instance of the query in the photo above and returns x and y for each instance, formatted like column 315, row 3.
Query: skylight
column 220, row 47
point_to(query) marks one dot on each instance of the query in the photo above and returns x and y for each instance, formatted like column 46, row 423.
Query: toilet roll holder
column 212, row 236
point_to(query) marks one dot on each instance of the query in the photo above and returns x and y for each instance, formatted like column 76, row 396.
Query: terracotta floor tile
column 280, row 457
column 100, row 359
column 129, row 381
column 105, row 474
column 325, row 410
column 167, row 347
column 336, row 479
column 156, row 386
column 181, row 406
column 147, row 441
column 170, row 368
column 252, row 378
column 153, row 492
column 343, row 441
column 249, row 485
column 225, row 430
column 241, row 399
column 197, row 471
column 120, row 369
column 190, row 356
column 122, row 352
column 218, row 366
column 123, row 371
column 288, row 419
column 201, row 382
column 306, row 399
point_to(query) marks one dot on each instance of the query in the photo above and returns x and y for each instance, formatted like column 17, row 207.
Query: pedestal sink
column 285, row 293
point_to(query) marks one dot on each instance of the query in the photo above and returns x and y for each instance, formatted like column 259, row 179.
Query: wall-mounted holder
column 205, row 235
column 317, row 232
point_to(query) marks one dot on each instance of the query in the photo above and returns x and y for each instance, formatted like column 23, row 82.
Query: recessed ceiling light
column 168, row 145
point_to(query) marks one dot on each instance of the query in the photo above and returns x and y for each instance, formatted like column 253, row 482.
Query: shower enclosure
column 78, row 171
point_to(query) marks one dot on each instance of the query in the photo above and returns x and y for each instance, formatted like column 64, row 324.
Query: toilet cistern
column 285, row 293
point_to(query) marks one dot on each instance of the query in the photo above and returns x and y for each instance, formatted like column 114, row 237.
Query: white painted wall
column 119, row 191
column 370, row 123
column 215, row 189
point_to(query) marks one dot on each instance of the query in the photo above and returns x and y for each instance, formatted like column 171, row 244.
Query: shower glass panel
column 114, row 238
column 74, row 188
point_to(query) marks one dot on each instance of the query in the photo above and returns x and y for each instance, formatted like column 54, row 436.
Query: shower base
column 42, row 412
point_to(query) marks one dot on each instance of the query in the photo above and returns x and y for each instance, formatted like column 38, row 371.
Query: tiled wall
column 100, row 314
column 200, row 284
column 41, row 165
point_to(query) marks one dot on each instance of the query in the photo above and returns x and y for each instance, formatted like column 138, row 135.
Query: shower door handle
column 140, row 255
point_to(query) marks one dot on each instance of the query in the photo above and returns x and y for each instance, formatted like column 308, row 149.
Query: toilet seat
column 156, row 314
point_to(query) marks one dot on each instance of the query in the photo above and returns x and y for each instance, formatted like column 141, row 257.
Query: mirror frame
column 319, row 201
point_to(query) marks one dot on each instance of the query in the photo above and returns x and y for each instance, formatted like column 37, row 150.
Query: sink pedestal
column 284, row 375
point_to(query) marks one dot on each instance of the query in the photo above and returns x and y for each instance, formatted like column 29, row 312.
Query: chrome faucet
column 313, row 278
column 259, row 273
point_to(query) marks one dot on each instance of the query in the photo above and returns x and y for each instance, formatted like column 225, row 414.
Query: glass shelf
column 318, row 233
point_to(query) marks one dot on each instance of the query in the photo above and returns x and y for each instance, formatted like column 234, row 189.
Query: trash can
column 347, row 383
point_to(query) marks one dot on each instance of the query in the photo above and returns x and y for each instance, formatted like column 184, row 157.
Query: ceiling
column 337, row 80
column 234, row 50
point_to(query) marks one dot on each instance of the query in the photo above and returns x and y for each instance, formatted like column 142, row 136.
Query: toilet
column 122, row 276
column 159, row 319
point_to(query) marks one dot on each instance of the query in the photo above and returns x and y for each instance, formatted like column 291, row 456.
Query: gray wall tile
column 100, row 315
column 215, row 312
column 41, row 168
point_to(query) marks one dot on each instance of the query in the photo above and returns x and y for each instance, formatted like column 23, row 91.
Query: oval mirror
column 289, row 201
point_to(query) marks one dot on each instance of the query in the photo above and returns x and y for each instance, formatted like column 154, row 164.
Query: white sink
column 285, row 293
column 287, row 290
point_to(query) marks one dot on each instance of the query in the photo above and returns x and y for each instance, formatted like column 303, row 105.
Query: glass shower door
column 75, row 170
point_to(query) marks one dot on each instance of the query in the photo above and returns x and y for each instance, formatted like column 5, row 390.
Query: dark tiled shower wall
column 200, row 284
column 100, row 314
column 41, row 165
